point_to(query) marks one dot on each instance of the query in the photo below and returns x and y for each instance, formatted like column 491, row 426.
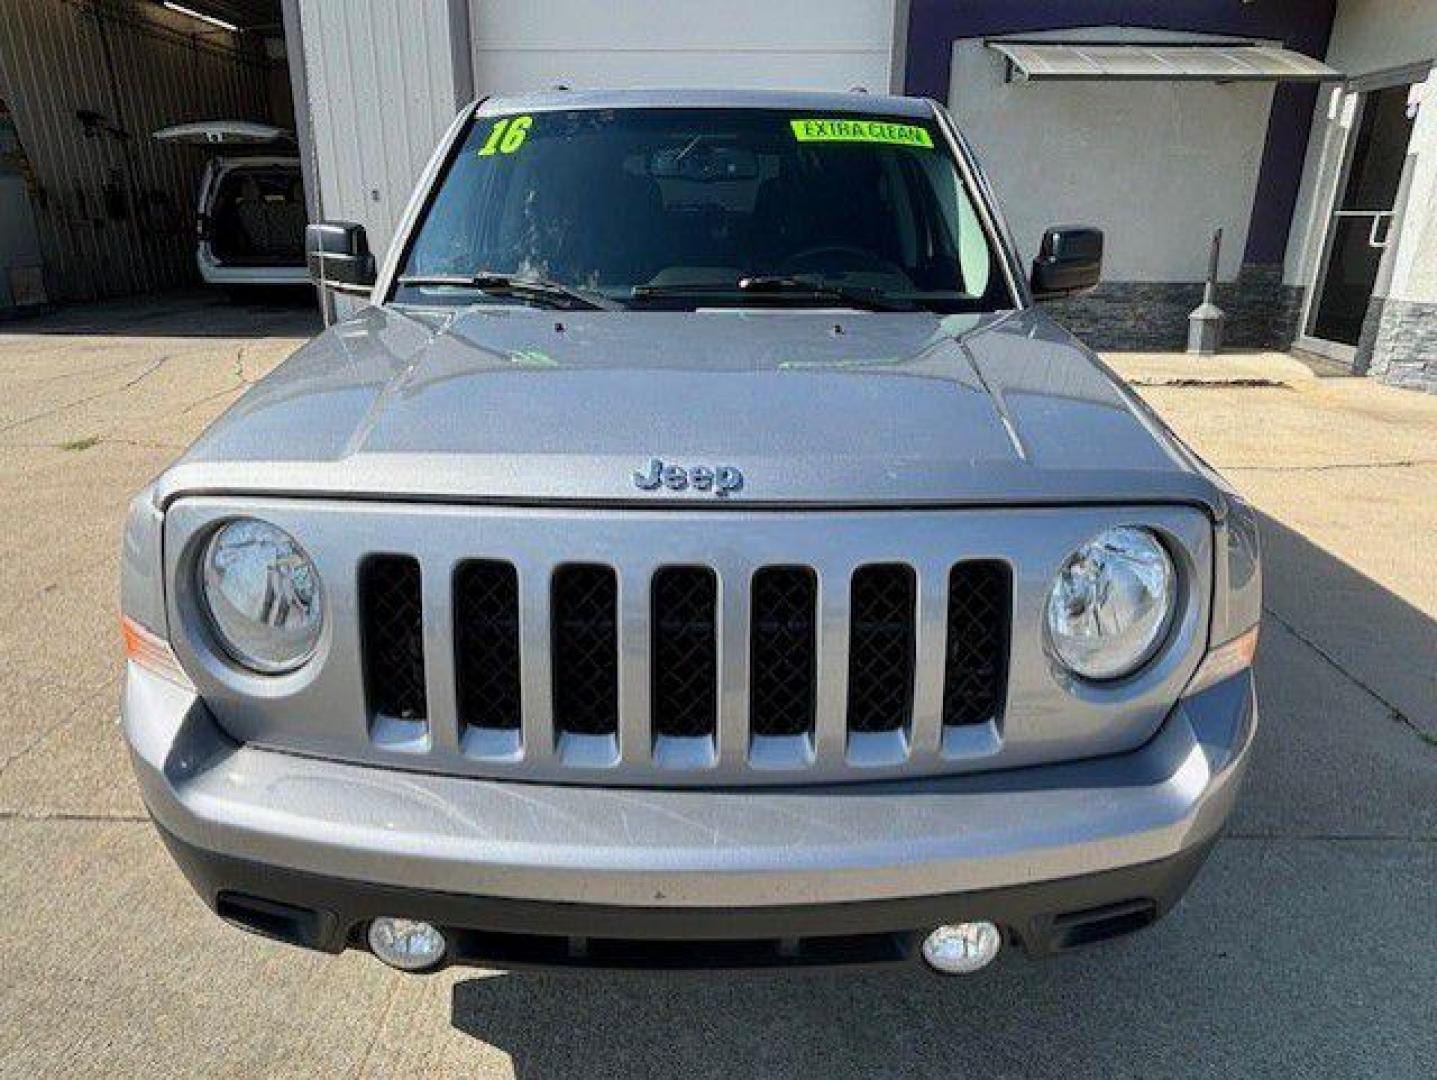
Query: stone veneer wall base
column 1405, row 350
column 1262, row 312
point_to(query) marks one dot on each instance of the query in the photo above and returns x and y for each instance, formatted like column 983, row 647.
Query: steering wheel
column 845, row 256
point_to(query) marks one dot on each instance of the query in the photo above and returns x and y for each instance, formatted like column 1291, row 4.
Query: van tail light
column 153, row 653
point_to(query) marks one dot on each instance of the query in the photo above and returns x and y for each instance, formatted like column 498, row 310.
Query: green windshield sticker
column 507, row 135
column 874, row 131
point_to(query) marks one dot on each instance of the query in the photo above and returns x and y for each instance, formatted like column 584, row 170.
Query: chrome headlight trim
column 1112, row 604
column 262, row 596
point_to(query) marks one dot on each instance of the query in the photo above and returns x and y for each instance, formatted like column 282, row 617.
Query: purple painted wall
column 1304, row 25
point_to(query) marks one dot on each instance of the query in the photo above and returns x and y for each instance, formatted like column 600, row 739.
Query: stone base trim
column 1262, row 312
column 1405, row 350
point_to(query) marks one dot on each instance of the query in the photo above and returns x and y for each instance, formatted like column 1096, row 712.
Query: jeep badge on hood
column 722, row 480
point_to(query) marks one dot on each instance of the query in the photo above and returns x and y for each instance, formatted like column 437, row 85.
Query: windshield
column 666, row 208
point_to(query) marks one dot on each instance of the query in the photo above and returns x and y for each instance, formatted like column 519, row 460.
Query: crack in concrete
column 1393, row 711
column 58, row 409
column 88, row 698
column 239, row 388
column 241, row 384
column 1361, row 838
column 1335, row 466
column 1234, row 383
column 88, row 370
column 69, row 816
column 103, row 440
column 384, row 1015
column 239, row 367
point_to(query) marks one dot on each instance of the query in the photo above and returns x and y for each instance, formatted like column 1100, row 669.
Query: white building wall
column 1414, row 260
column 382, row 89
column 535, row 44
column 1370, row 35
column 1156, row 165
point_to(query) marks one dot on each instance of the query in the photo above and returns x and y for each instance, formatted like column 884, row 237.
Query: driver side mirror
column 338, row 256
column 1069, row 262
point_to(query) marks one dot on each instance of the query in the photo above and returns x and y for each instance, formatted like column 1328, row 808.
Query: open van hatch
column 251, row 211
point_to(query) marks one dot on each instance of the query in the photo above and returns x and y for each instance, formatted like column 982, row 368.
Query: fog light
column 406, row 944
column 962, row 948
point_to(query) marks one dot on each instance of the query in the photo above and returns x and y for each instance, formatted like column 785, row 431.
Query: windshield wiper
column 522, row 288
column 797, row 286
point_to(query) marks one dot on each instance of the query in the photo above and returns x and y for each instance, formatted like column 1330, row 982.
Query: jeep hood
column 833, row 408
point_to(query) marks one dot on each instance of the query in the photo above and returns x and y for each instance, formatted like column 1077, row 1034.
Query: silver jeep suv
column 699, row 552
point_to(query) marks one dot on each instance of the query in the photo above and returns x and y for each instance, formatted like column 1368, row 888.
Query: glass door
column 1361, row 221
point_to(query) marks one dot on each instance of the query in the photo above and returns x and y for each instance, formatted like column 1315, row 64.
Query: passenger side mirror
column 338, row 256
column 1069, row 262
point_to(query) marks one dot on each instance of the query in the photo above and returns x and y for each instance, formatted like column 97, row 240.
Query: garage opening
column 86, row 85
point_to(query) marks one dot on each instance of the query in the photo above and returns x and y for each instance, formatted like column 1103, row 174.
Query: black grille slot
column 392, row 633
column 880, row 648
column 586, row 650
column 486, row 644
column 975, row 678
column 685, row 651
column 784, row 648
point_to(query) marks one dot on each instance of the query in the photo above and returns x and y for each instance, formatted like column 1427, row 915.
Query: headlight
column 263, row 596
column 1111, row 604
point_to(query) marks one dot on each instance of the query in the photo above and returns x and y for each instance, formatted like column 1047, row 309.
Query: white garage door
column 535, row 44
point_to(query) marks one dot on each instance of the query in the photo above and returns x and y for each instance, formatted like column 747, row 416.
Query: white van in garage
column 251, row 205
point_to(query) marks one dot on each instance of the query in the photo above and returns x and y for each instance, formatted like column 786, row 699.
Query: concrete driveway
column 1307, row 947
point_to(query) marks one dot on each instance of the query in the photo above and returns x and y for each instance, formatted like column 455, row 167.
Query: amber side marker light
column 1223, row 662
column 153, row 653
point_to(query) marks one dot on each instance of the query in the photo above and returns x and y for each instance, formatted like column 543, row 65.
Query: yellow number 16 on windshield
column 507, row 136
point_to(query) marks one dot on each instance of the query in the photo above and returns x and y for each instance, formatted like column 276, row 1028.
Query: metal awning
column 1242, row 61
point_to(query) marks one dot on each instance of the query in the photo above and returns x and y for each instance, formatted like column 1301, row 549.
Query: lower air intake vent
column 975, row 677
column 586, row 650
column 784, row 647
column 685, row 652
column 392, row 630
column 486, row 644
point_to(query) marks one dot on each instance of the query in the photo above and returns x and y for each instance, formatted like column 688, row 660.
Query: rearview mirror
column 338, row 256
column 704, row 164
column 1069, row 262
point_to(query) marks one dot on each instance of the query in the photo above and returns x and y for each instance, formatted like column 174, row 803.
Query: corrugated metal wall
column 115, row 209
column 382, row 90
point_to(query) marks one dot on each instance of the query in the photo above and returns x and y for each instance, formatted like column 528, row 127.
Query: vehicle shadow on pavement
column 1376, row 638
column 1293, row 954
column 206, row 313
column 1016, row 1019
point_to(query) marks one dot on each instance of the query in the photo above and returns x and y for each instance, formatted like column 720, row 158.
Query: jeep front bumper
column 309, row 850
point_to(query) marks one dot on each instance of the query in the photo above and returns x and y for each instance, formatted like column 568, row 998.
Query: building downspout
column 461, row 53
column 304, row 132
column 898, row 48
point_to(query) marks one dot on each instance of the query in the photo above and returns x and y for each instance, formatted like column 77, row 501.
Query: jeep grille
column 684, row 635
